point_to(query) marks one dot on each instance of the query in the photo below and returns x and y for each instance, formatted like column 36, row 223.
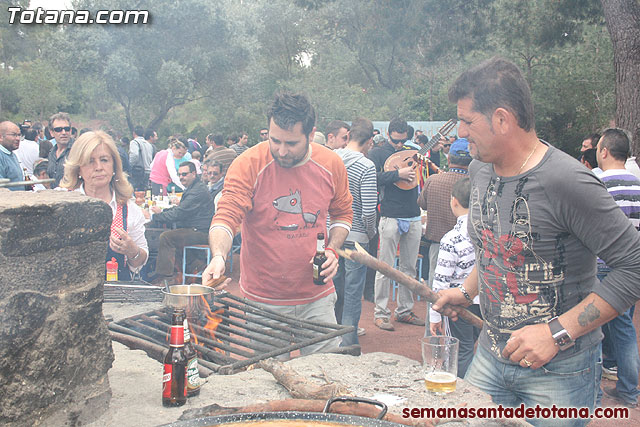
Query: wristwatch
column 560, row 335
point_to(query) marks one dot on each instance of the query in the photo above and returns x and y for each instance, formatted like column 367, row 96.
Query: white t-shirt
column 27, row 153
column 632, row 166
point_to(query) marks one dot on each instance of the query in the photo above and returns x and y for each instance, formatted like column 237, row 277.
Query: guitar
column 413, row 158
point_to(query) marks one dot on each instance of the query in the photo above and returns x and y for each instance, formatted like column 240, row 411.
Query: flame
column 213, row 320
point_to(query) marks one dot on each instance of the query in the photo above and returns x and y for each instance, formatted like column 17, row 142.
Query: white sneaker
column 610, row 373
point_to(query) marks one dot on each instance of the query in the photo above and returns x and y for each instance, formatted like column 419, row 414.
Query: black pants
column 467, row 334
column 171, row 245
column 139, row 180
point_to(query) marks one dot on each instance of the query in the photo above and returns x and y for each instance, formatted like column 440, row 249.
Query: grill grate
column 246, row 333
column 131, row 292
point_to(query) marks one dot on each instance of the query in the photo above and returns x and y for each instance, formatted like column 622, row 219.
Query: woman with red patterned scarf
column 94, row 168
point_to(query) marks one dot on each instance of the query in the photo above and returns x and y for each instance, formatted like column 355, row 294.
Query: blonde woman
column 164, row 168
column 94, row 168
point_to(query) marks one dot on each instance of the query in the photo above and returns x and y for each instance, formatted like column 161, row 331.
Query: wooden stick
column 363, row 257
column 298, row 386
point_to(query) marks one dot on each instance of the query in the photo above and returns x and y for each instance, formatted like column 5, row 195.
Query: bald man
column 9, row 165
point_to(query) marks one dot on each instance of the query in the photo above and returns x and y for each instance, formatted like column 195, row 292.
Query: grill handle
column 331, row 401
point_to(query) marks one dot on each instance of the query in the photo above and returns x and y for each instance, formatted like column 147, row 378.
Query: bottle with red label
column 174, row 379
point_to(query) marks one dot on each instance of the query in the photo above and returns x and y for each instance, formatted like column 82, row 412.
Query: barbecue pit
column 230, row 334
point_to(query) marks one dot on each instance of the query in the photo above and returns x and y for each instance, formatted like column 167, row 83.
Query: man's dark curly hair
column 288, row 109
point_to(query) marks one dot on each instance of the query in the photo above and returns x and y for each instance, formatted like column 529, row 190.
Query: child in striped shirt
column 456, row 259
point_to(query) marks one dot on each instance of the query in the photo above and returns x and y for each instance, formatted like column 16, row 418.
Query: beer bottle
column 27, row 187
column 318, row 260
column 193, row 376
column 174, row 379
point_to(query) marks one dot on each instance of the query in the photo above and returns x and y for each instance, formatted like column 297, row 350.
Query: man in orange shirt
column 278, row 194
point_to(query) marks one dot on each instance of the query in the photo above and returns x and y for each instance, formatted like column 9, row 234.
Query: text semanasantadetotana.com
column 18, row 15
column 517, row 412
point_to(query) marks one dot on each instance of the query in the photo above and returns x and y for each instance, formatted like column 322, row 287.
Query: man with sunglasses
column 60, row 128
column 264, row 134
column 192, row 217
column 400, row 223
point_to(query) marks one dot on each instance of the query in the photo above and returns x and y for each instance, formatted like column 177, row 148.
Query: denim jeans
column 409, row 244
column 566, row 383
column 349, row 283
column 623, row 348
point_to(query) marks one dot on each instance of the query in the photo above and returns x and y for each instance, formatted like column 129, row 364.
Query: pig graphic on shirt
column 290, row 214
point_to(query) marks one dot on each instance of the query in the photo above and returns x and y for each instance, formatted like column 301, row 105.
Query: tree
column 623, row 23
column 183, row 54
column 40, row 89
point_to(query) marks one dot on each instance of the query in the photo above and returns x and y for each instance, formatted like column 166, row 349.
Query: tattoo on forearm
column 590, row 314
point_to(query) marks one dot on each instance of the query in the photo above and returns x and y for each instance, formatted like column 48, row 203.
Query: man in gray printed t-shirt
column 536, row 236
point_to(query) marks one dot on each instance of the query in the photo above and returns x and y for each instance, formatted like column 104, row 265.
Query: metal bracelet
column 466, row 294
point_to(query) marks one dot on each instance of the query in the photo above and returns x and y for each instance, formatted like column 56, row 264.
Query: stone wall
column 55, row 349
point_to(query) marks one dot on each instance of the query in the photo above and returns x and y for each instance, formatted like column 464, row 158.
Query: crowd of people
column 545, row 249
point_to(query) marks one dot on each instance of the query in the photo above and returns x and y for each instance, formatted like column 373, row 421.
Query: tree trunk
column 623, row 23
column 159, row 118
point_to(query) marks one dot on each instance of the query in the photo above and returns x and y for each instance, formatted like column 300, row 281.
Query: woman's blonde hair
column 80, row 155
column 176, row 143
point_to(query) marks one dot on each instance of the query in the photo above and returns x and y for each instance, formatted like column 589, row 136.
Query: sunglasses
column 264, row 133
column 64, row 128
column 397, row 141
column 447, row 145
column 184, row 173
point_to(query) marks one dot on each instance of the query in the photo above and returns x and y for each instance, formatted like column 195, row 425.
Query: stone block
column 55, row 349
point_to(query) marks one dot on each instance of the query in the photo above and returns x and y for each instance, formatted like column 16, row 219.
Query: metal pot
column 324, row 416
column 187, row 296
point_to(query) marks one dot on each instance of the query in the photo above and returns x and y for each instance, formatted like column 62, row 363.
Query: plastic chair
column 184, row 260
column 418, row 272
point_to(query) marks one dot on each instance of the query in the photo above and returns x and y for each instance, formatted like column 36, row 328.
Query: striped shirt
column 363, row 187
column 624, row 187
column 239, row 149
column 455, row 261
column 224, row 156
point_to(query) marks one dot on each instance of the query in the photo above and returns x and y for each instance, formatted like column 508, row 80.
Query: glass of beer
column 440, row 363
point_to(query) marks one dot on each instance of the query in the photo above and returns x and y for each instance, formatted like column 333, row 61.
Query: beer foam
column 440, row 377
